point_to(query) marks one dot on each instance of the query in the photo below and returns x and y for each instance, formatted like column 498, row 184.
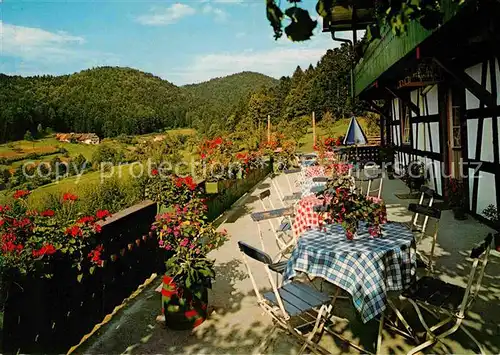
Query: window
column 405, row 124
column 456, row 138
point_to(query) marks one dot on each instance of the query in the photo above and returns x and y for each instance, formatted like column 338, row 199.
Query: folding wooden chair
column 427, row 212
column 439, row 297
column 377, row 192
column 282, row 234
column 290, row 198
column 426, row 199
column 295, row 307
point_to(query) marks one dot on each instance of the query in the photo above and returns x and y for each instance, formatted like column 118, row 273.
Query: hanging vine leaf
column 275, row 16
column 302, row 26
column 395, row 13
column 373, row 32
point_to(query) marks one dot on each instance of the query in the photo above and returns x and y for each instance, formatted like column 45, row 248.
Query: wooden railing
column 50, row 315
column 360, row 155
column 232, row 190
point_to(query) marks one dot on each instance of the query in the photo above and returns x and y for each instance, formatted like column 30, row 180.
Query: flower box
column 212, row 187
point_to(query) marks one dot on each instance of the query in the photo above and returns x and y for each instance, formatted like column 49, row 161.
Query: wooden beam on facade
column 410, row 104
column 468, row 83
column 377, row 109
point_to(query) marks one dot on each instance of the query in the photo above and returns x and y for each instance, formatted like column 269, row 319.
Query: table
column 367, row 268
column 305, row 217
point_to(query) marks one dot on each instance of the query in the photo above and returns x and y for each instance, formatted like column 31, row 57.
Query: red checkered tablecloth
column 305, row 217
column 314, row 171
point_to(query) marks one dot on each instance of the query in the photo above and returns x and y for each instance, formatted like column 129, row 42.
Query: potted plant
column 189, row 271
column 168, row 189
column 282, row 152
column 346, row 207
column 457, row 198
column 216, row 162
column 493, row 215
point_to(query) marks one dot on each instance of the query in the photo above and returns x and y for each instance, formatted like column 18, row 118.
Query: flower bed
column 232, row 190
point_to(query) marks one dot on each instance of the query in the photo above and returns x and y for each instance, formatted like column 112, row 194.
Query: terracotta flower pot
column 459, row 213
column 182, row 309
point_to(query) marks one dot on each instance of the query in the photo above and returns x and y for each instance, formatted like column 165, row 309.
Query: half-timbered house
column 437, row 92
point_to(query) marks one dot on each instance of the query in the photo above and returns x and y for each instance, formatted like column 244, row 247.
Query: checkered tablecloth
column 314, row 171
column 367, row 268
column 305, row 217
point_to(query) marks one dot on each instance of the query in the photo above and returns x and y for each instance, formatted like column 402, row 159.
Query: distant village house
column 85, row 138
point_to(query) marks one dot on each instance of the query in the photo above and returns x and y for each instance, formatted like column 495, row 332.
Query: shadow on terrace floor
column 134, row 331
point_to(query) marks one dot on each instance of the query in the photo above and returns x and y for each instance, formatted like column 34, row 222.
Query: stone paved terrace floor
column 237, row 324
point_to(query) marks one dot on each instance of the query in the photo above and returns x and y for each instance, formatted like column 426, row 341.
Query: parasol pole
column 314, row 129
column 268, row 129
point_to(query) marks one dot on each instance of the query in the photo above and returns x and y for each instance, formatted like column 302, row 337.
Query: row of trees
column 324, row 89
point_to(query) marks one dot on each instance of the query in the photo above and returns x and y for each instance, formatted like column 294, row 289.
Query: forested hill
column 107, row 101
column 112, row 100
column 224, row 92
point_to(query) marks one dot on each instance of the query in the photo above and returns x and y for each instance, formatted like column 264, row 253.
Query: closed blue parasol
column 355, row 134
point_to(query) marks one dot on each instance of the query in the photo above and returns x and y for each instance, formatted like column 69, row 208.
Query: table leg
column 379, row 336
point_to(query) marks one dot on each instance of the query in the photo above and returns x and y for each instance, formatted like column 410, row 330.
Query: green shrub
column 28, row 136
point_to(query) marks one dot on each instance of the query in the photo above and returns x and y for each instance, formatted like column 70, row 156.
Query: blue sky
column 181, row 41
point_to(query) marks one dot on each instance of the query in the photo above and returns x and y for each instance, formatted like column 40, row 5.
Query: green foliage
column 28, row 136
column 30, row 239
column 106, row 153
column 395, row 13
column 183, row 231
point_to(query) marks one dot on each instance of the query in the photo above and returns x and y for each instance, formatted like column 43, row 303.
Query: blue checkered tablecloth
column 367, row 268
column 310, row 187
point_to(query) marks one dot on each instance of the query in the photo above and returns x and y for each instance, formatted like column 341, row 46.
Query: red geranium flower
column 154, row 172
column 95, row 256
column 74, row 231
column 102, row 214
column 20, row 194
column 191, row 313
column 47, row 213
column 47, row 249
column 85, row 220
column 69, row 197
column 198, row 321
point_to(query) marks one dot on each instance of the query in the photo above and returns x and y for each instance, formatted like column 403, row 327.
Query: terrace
column 237, row 325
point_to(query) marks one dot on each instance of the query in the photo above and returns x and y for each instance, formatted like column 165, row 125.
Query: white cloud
column 219, row 15
column 166, row 16
column 43, row 52
column 240, row 34
column 276, row 62
column 229, row 1
column 32, row 43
